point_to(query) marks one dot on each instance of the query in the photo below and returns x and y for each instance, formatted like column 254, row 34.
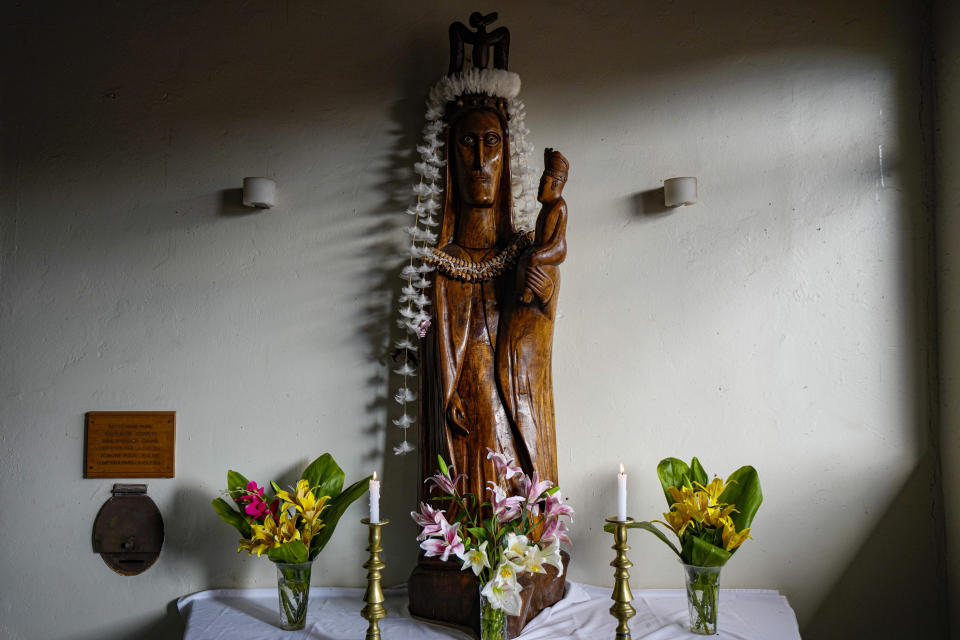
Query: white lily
column 506, row 573
column 476, row 559
column 503, row 596
column 551, row 556
column 515, row 547
column 533, row 560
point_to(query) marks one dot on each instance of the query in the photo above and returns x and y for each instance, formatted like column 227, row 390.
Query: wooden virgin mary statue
column 470, row 387
column 485, row 360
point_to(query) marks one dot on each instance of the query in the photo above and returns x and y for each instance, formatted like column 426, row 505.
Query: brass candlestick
column 622, row 610
column 374, row 609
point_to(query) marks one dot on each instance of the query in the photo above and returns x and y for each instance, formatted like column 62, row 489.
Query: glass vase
column 703, row 592
column 493, row 622
column 293, row 585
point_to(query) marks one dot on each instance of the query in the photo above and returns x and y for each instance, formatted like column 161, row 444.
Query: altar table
column 583, row 614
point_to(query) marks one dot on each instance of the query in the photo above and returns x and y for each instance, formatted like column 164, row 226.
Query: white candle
column 374, row 499
column 621, row 495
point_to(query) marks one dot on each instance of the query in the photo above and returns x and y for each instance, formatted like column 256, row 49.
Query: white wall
column 783, row 321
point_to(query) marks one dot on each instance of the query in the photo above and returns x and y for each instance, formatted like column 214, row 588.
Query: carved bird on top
column 482, row 41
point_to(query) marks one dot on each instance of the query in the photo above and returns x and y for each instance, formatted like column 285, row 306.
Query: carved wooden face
column 477, row 154
column 550, row 189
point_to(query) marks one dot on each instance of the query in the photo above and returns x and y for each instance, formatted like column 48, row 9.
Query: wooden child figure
column 550, row 242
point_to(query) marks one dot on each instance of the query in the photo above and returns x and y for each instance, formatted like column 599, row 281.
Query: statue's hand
column 456, row 415
column 540, row 283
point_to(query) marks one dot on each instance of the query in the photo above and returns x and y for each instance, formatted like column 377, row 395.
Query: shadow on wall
column 231, row 204
column 379, row 331
column 649, row 204
column 170, row 627
column 877, row 596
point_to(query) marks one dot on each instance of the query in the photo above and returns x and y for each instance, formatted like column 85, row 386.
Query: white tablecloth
column 583, row 614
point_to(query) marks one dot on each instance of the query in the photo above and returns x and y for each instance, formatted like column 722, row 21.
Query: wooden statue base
column 440, row 592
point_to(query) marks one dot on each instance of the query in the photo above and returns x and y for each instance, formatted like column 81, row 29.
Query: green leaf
column 331, row 515
column 443, row 465
column 703, row 554
column 672, row 473
column 744, row 492
column 697, row 473
column 276, row 488
column 236, row 485
column 552, row 490
column 231, row 516
column 325, row 476
column 478, row 532
column 293, row 551
column 647, row 526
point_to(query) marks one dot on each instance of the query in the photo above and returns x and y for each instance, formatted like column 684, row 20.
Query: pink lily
column 556, row 507
column 448, row 543
column 502, row 465
column 505, row 508
column 533, row 490
column 555, row 529
column 428, row 518
column 444, row 482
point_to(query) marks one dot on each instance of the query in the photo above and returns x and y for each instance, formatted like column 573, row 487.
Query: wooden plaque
column 134, row 444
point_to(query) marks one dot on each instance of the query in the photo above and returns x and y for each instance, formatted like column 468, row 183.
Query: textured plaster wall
column 784, row 321
column 948, row 275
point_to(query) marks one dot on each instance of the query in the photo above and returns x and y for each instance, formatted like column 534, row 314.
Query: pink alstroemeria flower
column 257, row 507
column 252, row 491
column 556, row 507
column 532, row 490
column 502, row 465
column 448, row 543
column 444, row 482
column 428, row 518
column 555, row 529
column 505, row 508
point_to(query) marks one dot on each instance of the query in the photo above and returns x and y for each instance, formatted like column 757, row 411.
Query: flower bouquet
column 518, row 530
column 711, row 519
column 292, row 527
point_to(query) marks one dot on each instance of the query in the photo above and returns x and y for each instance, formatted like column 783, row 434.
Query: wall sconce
column 678, row 192
column 259, row 192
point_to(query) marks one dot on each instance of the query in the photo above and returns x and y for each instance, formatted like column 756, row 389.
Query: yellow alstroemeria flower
column 304, row 501
column 692, row 507
column 263, row 537
column 253, row 546
column 716, row 515
column 270, row 534
column 303, row 496
column 266, row 532
column 677, row 521
column 713, row 490
column 307, row 505
column 731, row 537
column 680, row 495
column 287, row 530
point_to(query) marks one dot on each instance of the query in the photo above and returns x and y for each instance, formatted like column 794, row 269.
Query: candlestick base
column 622, row 610
column 374, row 610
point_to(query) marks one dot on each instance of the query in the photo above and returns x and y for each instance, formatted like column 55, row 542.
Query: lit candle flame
column 621, row 467
column 375, row 473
